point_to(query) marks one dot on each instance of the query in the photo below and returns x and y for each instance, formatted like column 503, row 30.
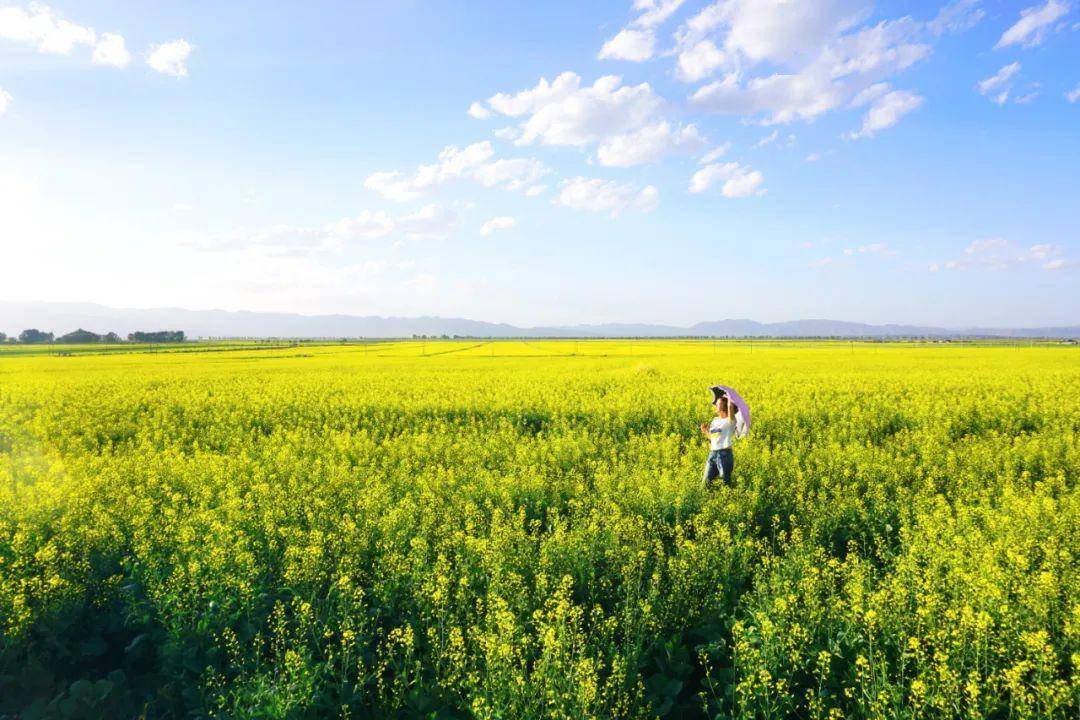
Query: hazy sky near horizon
column 538, row 163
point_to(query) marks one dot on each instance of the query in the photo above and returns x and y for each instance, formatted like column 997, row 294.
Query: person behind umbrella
column 721, row 433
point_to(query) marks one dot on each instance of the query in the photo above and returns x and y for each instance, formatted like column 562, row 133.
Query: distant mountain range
column 61, row 318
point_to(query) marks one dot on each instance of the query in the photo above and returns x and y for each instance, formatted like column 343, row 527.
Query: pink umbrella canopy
column 735, row 397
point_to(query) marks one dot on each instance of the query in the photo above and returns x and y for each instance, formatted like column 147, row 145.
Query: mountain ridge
column 64, row 317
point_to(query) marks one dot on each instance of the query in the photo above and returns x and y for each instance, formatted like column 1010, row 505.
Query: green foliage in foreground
column 517, row 530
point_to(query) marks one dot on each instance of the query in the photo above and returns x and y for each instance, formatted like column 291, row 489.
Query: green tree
column 33, row 335
column 79, row 337
column 157, row 336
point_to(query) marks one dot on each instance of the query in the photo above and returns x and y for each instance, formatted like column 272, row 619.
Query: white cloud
column 816, row 54
column 655, row 12
column 773, row 138
column 507, row 133
column 998, row 86
column 699, row 61
column 430, row 222
column 170, row 58
column 473, row 162
column 768, row 139
column 478, row 111
column 497, row 223
column 878, row 248
column 984, row 245
column 5, row 100
column 535, row 190
column 638, row 42
column 1027, row 97
column 886, row 111
column 1074, row 94
column 715, row 154
column 595, row 195
column 870, row 94
column 564, row 113
column 885, row 48
column 1034, row 23
column 649, row 144
column 623, row 120
column 41, row 27
column 822, row 262
column 738, row 180
column 528, row 101
column 956, row 17
column 781, row 98
column 773, row 30
column 1044, row 252
column 629, row 44
column 998, row 253
column 812, row 157
column 514, row 174
column 110, row 50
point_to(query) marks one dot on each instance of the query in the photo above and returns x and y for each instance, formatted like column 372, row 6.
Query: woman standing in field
column 721, row 433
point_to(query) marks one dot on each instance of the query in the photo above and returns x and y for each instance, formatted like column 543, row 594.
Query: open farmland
column 519, row 530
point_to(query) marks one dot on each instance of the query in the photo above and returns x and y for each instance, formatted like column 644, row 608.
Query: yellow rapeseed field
column 504, row 530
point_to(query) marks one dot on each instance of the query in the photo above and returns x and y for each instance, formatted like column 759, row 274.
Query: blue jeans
column 720, row 463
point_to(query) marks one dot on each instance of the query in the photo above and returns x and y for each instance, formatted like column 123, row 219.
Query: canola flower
column 519, row 530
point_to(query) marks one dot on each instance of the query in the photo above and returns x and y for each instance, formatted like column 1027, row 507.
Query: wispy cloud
column 998, row 86
column 886, row 109
column 637, row 42
column 430, row 222
column 998, row 253
column 1034, row 24
column 819, row 55
column 735, row 180
column 957, row 16
column 650, row 144
column 497, row 223
column 474, row 163
column 879, row 248
column 774, row 138
column 606, row 196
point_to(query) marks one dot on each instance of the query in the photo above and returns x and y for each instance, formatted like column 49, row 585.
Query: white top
column 721, row 433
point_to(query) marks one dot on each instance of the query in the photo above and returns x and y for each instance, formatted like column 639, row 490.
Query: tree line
column 33, row 336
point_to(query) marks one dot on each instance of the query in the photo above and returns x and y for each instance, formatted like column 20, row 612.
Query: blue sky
column 534, row 163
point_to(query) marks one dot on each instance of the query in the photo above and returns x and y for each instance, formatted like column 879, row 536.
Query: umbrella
column 744, row 409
